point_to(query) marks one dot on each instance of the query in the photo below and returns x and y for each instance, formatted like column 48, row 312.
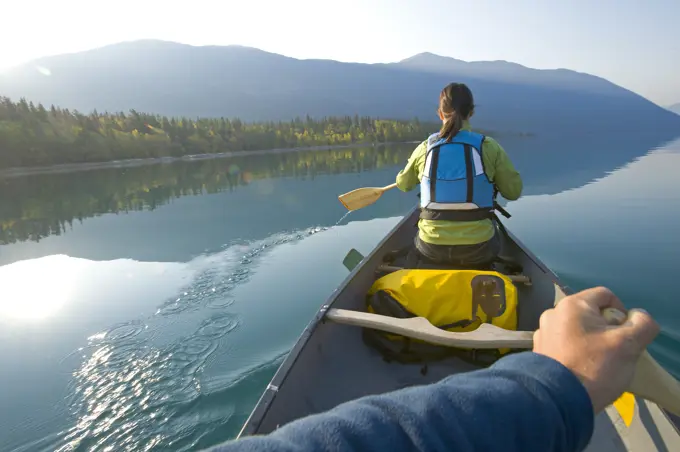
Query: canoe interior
column 330, row 364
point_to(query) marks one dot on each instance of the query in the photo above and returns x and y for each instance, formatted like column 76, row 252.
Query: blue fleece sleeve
column 524, row 402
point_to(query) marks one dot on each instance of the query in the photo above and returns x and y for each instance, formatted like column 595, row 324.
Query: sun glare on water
column 38, row 288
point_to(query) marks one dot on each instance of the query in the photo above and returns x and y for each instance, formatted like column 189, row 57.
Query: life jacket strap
column 456, row 215
column 464, row 215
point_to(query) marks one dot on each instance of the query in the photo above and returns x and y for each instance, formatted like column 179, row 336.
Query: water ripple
column 130, row 394
column 121, row 332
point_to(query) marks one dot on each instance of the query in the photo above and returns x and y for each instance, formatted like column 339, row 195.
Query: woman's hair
column 455, row 105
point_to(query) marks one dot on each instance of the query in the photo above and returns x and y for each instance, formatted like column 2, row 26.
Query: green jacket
column 500, row 171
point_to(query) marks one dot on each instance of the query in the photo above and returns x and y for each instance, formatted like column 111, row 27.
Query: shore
column 75, row 167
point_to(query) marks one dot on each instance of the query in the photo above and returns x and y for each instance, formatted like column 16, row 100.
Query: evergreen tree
column 30, row 136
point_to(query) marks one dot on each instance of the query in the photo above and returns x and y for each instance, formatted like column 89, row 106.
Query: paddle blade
column 361, row 197
column 625, row 405
column 352, row 259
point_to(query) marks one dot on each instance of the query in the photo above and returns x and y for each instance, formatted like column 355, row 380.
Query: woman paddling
column 459, row 172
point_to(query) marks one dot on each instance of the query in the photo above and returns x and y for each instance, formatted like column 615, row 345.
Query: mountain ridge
column 174, row 79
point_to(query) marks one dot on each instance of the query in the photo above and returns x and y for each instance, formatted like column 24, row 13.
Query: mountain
column 176, row 79
column 505, row 71
column 675, row 108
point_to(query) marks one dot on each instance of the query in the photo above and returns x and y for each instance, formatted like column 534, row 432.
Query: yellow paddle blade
column 625, row 405
column 362, row 197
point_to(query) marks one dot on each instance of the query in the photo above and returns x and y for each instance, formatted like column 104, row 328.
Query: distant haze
column 631, row 43
column 675, row 108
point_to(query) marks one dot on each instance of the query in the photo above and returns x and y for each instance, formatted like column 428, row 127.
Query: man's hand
column 602, row 356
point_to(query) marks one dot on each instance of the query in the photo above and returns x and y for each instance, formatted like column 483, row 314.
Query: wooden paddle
column 651, row 382
column 362, row 197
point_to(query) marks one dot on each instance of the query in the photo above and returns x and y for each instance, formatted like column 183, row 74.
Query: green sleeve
column 409, row 177
column 500, row 170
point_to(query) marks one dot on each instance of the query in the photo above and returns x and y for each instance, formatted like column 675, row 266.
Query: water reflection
column 134, row 359
column 619, row 231
column 550, row 166
column 20, row 296
column 33, row 208
column 185, row 292
column 37, row 206
column 49, row 308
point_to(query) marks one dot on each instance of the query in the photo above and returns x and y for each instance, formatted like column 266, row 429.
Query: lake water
column 147, row 308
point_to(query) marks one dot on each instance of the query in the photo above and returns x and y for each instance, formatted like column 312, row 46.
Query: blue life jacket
column 454, row 185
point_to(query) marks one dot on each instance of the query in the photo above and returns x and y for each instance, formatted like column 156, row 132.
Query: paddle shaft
column 651, row 381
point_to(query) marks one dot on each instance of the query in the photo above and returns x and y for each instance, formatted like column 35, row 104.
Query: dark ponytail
column 451, row 126
column 455, row 105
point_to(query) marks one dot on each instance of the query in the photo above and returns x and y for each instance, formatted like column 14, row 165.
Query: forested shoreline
column 32, row 135
column 35, row 207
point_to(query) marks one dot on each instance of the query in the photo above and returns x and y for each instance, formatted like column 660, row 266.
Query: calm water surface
column 147, row 308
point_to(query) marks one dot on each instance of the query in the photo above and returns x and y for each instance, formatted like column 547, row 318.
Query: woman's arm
column 501, row 171
column 409, row 177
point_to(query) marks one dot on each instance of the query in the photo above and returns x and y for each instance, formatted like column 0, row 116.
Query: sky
column 634, row 44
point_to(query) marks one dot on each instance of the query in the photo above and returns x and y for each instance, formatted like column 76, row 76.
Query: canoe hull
column 330, row 364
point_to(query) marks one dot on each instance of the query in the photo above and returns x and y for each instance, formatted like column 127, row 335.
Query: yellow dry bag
column 453, row 300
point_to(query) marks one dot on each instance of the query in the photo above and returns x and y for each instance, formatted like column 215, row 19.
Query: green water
column 147, row 308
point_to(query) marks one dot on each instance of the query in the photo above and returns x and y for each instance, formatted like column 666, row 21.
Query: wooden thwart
column 651, row 382
column 486, row 336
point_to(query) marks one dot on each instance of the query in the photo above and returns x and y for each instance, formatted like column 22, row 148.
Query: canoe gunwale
column 672, row 419
column 259, row 412
column 261, row 409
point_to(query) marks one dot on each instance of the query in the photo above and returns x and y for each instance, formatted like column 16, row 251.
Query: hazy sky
column 635, row 44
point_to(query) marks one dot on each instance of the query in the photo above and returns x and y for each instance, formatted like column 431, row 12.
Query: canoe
column 330, row 364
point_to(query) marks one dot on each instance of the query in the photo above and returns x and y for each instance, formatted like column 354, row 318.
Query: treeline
column 37, row 206
column 32, row 135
